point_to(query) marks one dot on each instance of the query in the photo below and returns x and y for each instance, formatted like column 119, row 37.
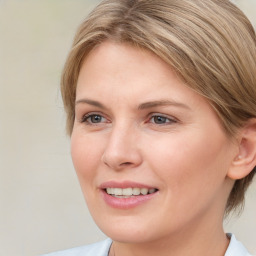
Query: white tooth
column 152, row 190
column 144, row 191
column 117, row 191
column 127, row 191
column 136, row 191
column 109, row 191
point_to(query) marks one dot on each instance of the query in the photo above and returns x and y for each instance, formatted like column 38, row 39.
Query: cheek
column 192, row 174
column 85, row 156
column 187, row 162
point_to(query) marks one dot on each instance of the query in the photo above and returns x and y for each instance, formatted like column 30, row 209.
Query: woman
column 161, row 108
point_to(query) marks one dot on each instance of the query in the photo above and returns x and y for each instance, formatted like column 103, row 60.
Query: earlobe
column 245, row 160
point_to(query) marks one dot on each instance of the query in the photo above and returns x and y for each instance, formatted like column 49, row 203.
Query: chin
column 131, row 229
column 125, row 229
column 131, row 236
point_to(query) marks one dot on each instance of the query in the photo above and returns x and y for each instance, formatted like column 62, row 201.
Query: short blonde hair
column 210, row 43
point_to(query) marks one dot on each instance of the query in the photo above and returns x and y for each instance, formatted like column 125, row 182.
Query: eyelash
column 166, row 120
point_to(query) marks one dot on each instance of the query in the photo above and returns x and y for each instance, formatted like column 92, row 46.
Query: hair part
column 209, row 43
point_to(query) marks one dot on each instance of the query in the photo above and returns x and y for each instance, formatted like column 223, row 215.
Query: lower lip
column 126, row 203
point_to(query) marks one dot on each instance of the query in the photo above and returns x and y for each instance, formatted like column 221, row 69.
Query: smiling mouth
column 129, row 192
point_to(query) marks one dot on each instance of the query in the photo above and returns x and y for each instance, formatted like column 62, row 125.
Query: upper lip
column 124, row 184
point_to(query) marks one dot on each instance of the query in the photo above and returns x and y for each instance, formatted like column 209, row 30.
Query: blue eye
column 93, row 118
column 158, row 119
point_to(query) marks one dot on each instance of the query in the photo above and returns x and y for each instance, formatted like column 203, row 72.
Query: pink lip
column 125, row 203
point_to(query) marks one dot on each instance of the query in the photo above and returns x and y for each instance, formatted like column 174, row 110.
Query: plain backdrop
column 41, row 206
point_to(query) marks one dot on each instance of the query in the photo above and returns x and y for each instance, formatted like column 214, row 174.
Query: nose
column 122, row 149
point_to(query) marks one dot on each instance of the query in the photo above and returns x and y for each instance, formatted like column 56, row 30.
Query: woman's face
column 150, row 153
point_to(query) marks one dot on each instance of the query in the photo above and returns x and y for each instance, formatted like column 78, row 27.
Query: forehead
column 126, row 54
column 121, row 64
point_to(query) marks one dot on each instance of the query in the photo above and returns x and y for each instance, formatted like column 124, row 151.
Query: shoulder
column 96, row 249
column 236, row 248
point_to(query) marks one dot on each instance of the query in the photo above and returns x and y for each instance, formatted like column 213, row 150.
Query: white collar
column 236, row 248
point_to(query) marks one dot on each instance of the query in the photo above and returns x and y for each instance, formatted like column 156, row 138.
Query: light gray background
column 41, row 205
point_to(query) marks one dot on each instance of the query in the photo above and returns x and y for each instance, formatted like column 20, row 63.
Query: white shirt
column 235, row 248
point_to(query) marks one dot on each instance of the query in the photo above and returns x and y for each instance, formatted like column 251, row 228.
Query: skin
column 187, row 155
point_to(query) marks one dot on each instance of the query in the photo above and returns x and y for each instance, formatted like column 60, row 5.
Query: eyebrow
column 146, row 105
column 91, row 102
column 160, row 103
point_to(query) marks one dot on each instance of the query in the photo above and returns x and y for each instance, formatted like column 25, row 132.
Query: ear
column 245, row 160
